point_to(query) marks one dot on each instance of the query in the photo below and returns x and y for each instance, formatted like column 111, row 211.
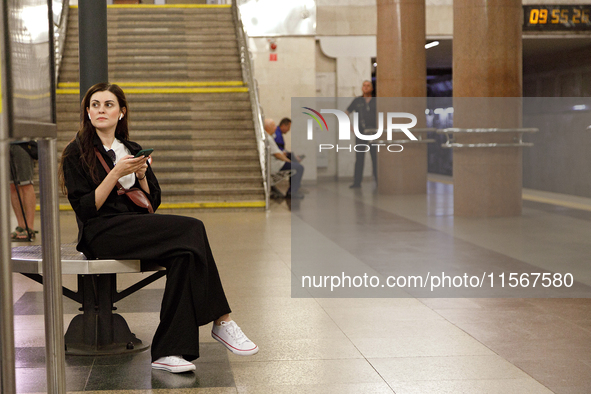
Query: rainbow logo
column 316, row 117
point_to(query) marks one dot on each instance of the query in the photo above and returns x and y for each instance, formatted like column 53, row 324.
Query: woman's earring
column 121, row 117
column 89, row 117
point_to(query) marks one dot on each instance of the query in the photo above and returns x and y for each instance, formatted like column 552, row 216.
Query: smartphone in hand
column 144, row 152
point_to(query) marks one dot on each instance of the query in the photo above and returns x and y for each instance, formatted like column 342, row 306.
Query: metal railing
column 257, row 115
column 517, row 140
column 59, row 33
column 416, row 131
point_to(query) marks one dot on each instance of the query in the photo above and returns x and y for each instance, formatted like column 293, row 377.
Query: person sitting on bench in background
column 114, row 227
column 284, row 128
column 280, row 162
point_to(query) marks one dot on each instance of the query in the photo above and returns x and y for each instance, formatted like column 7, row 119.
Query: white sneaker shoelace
column 235, row 332
column 232, row 337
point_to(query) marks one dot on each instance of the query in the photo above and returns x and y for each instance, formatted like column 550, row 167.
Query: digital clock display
column 557, row 17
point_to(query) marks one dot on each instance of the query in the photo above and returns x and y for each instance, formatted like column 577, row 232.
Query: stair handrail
column 257, row 114
column 59, row 33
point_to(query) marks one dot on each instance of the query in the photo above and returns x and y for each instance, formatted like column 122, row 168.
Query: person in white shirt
column 279, row 162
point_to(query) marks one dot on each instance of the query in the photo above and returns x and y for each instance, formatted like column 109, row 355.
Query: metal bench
column 97, row 331
column 275, row 179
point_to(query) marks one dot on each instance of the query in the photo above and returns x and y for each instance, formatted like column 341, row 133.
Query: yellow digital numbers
column 576, row 16
column 564, row 16
column 555, row 14
column 555, row 17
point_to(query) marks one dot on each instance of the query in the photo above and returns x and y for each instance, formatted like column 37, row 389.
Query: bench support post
column 98, row 330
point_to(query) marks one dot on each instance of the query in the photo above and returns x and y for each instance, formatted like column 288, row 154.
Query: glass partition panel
column 30, row 68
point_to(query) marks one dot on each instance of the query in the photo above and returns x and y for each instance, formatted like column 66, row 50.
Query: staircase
column 180, row 70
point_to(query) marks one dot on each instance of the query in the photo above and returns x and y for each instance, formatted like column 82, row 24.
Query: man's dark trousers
column 360, row 161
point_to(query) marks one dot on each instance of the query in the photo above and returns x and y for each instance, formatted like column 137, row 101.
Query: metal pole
column 52, row 267
column 93, row 49
column 50, row 244
column 7, row 358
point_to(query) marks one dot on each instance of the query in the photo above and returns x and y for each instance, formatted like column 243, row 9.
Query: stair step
column 163, row 147
column 138, row 109
column 195, row 175
column 163, row 168
column 185, row 190
column 138, row 60
column 227, row 155
column 210, row 181
column 148, row 37
column 177, row 115
column 220, row 135
column 164, row 18
column 71, row 54
column 191, row 98
column 209, row 148
column 166, row 143
column 204, row 197
column 162, row 66
column 243, row 140
column 167, row 18
column 146, row 14
column 161, row 10
column 163, row 133
column 184, row 125
column 206, row 125
column 134, row 76
column 73, row 45
column 163, row 30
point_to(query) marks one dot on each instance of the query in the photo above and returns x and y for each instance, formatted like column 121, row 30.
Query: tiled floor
column 357, row 345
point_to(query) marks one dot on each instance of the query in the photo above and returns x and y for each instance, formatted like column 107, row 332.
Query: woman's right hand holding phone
column 128, row 165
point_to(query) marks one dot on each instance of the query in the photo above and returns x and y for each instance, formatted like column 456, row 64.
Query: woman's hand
column 129, row 164
column 141, row 173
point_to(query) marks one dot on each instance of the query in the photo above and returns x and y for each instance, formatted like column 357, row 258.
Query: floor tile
column 497, row 386
column 31, row 380
column 414, row 369
column 275, row 349
column 352, row 388
column 562, row 373
column 134, row 371
column 457, row 344
column 280, row 373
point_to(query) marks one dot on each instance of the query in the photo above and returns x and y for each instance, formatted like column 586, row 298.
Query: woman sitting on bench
column 115, row 227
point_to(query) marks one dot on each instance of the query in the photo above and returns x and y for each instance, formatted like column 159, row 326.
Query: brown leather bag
column 136, row 195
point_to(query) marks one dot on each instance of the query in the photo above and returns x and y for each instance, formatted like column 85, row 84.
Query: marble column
column 487, row 86
column 401, row 73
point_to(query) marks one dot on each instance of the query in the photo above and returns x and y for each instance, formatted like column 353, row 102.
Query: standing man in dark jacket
column 365, row 106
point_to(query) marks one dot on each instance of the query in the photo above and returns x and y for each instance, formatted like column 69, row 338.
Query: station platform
column 356, row 345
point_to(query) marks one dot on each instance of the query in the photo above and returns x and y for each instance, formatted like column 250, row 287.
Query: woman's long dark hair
column 87, row 131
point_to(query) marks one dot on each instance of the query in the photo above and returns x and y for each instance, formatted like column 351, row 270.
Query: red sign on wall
column 272, row 57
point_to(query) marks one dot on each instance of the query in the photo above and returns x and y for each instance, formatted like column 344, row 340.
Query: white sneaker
column 232, row 337
column 174, row 364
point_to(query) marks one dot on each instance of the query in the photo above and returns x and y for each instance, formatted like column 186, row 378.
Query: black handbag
column 30, row 147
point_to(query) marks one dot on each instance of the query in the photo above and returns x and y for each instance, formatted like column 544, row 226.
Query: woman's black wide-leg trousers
column 193, row 295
